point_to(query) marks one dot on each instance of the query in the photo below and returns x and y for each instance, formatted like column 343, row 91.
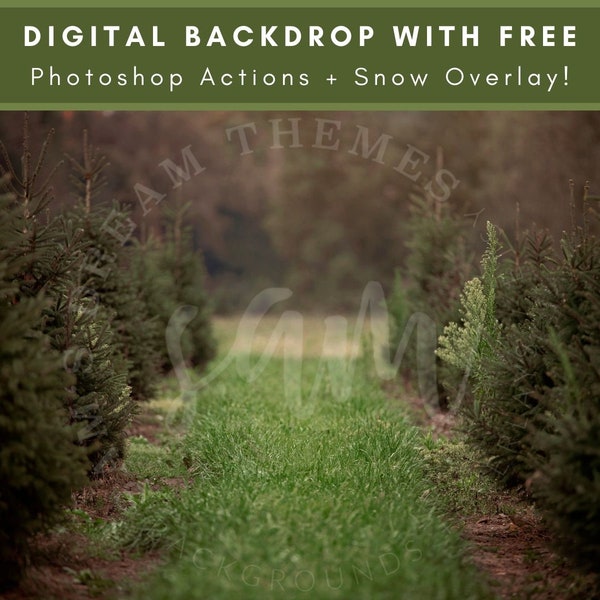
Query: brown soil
column 66, row 565
column 516, row 551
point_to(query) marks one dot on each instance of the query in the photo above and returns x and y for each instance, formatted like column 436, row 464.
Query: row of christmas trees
column 518, row 354
column 83, row 312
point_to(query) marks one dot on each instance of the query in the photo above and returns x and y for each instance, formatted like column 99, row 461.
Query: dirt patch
column 67, row 565
column 146, row 424
column 103, row 497
column 517, row 553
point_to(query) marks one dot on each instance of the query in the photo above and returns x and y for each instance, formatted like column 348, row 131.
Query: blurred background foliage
column 324, row 222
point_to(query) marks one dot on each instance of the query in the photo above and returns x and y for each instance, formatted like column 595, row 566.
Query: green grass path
column 320, row 499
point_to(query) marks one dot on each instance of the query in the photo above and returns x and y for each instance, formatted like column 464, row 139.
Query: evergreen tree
column 57, row 254
column 39, row 463
column 497, row 345
column 536, row 387
column 172, row 276
column 564, row 455
column 110, row 274
column 430, row 282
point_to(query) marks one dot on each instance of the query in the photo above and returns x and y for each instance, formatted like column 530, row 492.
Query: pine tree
column 536, row 409
column 57, row 254
column 565, row 458
column 431, row 280
column 465, row 345
column 40, row 465
column 173, row 276
column 110, row 274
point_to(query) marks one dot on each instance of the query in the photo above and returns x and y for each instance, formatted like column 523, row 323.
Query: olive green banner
column 407, row 57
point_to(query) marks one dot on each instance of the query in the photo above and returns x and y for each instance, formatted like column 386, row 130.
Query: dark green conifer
column 173, row 276
column 536, row 408
column 109, row 272
column 56, row 257
column 39, row 463
column 436, row 267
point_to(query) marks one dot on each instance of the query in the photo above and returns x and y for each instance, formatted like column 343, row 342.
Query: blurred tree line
column 318, row 201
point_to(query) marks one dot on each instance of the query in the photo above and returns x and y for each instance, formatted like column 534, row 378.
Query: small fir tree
column 172, row 276
column 110, row 273
column 435, row 270
column 39, row 463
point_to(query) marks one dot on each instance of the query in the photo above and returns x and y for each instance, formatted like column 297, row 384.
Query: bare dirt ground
column 517, row 552
column 64, row 567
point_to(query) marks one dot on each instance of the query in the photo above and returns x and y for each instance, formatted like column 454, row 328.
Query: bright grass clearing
column 300, row 489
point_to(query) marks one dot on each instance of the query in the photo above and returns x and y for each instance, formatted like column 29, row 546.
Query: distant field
column 301, row 335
